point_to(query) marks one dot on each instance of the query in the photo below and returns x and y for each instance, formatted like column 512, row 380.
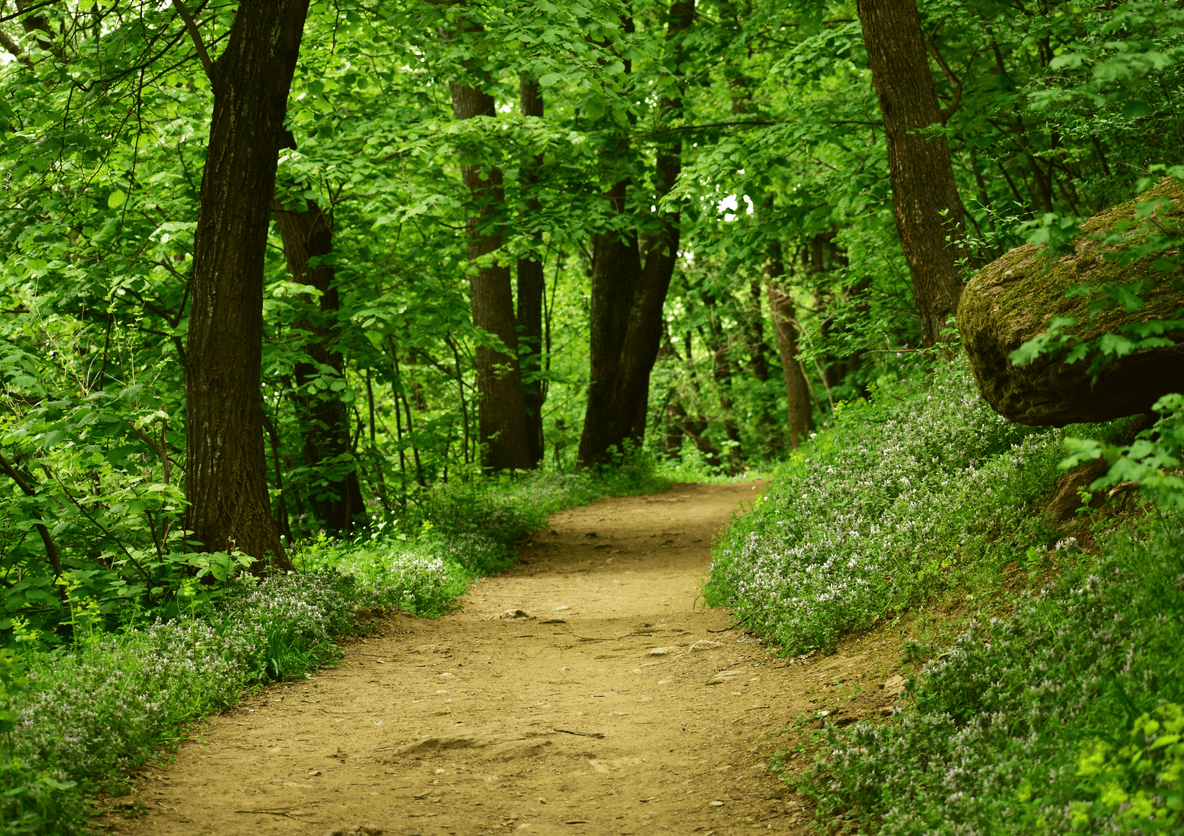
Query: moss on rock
column 1014, row 299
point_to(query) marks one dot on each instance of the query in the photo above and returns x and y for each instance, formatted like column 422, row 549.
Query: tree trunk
column 627, row 295
column 501, row 411
column 924, row 194
column 225, row 468
column 324, row 419
column 753, row 322
column 722, row 370
column 531, row 285
column 797, row 389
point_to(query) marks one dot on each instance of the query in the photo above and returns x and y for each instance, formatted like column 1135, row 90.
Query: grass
column 75, row 721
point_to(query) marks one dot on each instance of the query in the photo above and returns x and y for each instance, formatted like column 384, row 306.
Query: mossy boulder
column 1015, row 298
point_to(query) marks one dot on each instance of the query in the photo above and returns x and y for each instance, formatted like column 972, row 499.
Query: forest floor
column 585, row 690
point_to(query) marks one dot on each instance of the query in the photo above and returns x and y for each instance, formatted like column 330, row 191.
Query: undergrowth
column 1068, row 717
column 918, row 490
column 77, row 717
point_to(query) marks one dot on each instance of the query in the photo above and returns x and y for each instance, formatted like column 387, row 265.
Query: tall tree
column 308, row 240
column 928, row 209
column 225, row 467
column 501, row 410
column 531, row 286
column 630, row 278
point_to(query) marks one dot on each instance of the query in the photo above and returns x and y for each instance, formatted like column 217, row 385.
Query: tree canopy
column 528, row 235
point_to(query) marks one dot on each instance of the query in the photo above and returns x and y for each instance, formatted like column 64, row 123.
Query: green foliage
column 1064, row 718
column 907, row 496
column 1141, row 785
column 1152, row 461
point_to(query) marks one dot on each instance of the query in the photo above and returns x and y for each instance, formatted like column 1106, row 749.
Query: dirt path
column 582, row 692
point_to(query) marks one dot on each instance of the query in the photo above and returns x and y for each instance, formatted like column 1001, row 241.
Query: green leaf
column 1067, row 61
column 1137, row 110
column 116, row 199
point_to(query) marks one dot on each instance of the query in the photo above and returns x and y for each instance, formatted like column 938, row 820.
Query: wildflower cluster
column 1064, row 719
column 904, row 493
column 78, row 719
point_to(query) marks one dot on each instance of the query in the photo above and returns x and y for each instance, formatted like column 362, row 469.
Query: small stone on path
column 508, row 614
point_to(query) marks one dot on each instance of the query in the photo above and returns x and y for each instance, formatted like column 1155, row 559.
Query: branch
column 13, row 47
column 191, row 27
column 950, row 77
column 744, row 123
column 27, row 9
column 51, row 549
column 157, row 447
column 77, row 504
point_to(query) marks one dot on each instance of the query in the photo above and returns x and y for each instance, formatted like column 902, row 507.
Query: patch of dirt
column 585, row 691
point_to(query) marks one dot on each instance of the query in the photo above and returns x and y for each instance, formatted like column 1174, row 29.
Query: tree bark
column 797, row 389
column 753, row 322
column 501, row 411
column 531, row 286
column 925, row 196
column 225, row 467
column 628, row 293
column 324, row 419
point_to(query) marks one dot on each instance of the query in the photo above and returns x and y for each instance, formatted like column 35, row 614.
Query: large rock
column 1014, row 299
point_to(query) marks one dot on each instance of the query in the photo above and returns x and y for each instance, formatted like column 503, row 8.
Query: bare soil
column 585, row 691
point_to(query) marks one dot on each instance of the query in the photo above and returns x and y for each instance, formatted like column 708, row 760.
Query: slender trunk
column 797, row 389
column 225, row 465
column 501, row 411
column 753, row 321
column 928, row 209
column 531, row 288
column 722, row 370
column 324, row 419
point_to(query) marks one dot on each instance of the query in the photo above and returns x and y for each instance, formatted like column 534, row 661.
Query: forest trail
column 581, row 692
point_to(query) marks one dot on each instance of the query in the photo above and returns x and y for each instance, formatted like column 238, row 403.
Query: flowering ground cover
column 1065, row 717
column 75, row 719
column 920, row 489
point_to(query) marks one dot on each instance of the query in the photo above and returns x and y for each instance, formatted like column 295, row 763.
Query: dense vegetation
column 79, row 719
column 538, row 237
column 1058, row 705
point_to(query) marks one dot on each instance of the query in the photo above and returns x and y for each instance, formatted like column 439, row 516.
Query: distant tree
column 531, row 287
column 324, row 420
column 630, row 279
column 501, row 409
column 797, row 387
